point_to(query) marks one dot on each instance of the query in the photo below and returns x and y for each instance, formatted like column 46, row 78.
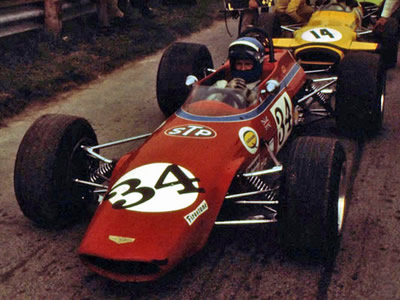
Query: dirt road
column 235, row 264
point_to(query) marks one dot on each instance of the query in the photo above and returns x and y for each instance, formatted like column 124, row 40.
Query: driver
column 246, row 56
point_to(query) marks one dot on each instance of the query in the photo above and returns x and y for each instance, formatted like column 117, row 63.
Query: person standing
column 250, row 16
column 106, row 11
column 390, row 9
column 144, row 8
column 387, row 31
column 293, row 11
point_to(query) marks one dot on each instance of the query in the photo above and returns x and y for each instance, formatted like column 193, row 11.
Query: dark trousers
column 389, row 40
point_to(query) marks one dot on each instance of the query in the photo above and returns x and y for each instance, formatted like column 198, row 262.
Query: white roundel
column 321, row 35
column 249, row 138
column 156, row 187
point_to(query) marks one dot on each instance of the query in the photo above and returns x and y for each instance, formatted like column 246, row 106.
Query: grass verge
column 33, row 67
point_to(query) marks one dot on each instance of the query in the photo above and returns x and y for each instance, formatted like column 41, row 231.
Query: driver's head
column 246, row 55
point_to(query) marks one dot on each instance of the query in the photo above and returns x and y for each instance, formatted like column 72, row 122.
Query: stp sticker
column 249, row 137
column 321, row 35
column 191, row 131
column 156, row 187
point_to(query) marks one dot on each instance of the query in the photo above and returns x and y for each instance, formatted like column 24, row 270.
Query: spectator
column 173, row 2
column 250, row 16
column 108, row 10
column 144, row 8
column 390, row 9
column 113, row 9
column 387, row 30
column 293, row 11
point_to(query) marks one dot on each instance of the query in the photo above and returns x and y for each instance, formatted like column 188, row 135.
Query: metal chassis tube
column 91, row 151
column 278, row 168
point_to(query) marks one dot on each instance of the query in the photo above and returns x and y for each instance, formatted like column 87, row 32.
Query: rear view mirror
column 272, row 86
column 190, row 80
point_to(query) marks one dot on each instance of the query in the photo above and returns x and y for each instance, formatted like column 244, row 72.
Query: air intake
column 122, row 267
column 317, row 57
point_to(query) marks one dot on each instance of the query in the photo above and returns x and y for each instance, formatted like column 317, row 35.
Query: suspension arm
column 306, row 97
column 91, row 150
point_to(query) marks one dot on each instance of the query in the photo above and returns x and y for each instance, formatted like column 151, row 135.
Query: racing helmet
column 247, row 48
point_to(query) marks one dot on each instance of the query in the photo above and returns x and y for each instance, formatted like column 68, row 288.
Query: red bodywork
column 165, row 196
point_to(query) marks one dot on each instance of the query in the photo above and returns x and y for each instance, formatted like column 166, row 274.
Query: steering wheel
column 262, row 37
column 336, row 5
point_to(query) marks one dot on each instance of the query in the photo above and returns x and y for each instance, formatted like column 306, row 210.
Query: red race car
column 216, row 161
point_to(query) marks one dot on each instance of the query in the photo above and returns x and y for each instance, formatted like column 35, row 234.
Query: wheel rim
column 341, row 201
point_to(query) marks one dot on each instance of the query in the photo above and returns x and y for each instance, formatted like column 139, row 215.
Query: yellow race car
column 332, row 31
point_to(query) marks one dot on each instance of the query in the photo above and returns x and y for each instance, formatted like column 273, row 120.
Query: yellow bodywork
column 327, row 31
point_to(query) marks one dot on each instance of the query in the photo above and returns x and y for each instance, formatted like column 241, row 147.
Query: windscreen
column 212, row 101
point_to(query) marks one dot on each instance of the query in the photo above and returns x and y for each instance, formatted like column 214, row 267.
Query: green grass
column 34, row 67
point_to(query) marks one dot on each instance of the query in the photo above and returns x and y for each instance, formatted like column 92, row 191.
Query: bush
column 33, row 67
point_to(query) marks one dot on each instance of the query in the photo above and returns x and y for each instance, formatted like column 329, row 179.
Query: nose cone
column 135, row 246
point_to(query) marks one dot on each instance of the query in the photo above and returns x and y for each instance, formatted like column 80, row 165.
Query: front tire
column 177, row 62
column 48, row 159
column 313, row 207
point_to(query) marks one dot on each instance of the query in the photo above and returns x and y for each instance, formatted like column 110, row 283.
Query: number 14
column 322, row 32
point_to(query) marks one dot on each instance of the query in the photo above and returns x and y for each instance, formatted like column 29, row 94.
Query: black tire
column 177, row 62
column 48, row 158
column 313, row 205
column 360, row 94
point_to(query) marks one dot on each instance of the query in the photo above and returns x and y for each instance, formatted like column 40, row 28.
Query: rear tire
column 48, row 159
column 177, row 62
column 360, row 94
column 313, row 208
